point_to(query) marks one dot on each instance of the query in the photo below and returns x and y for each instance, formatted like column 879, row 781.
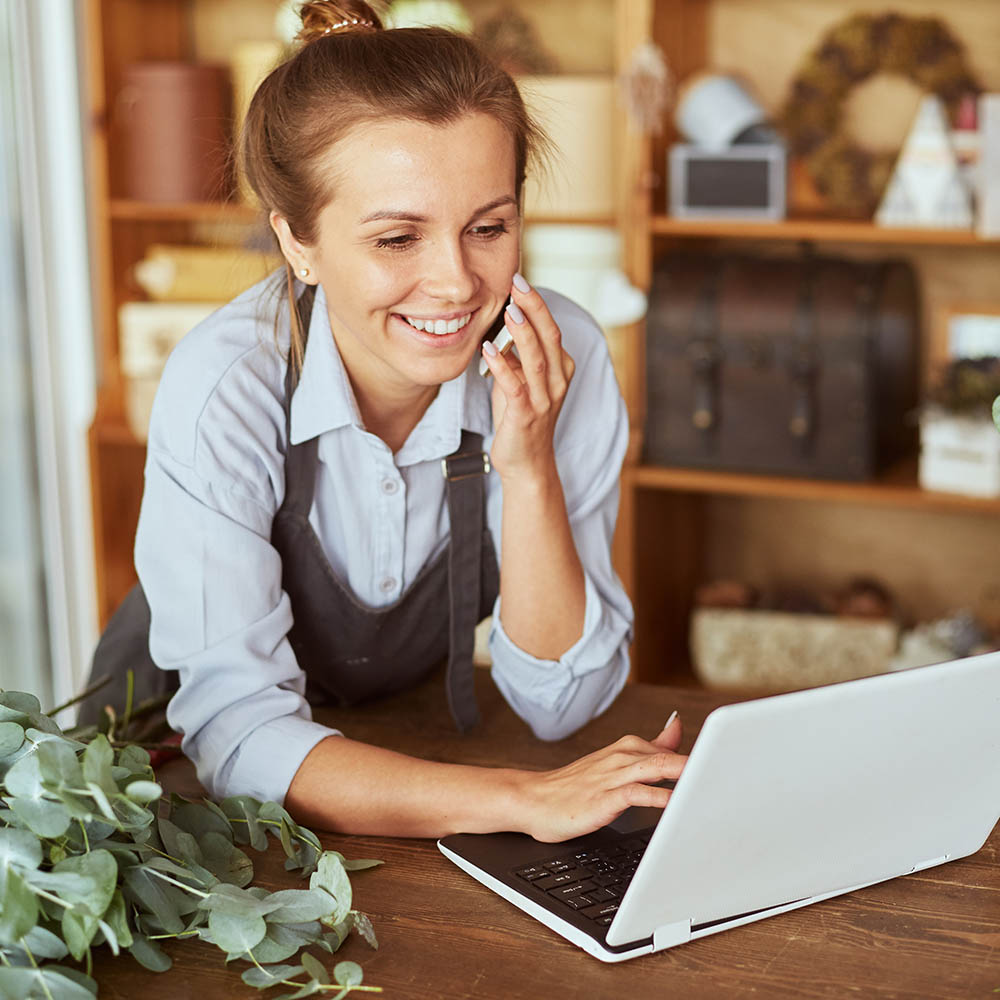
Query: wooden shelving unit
column 817, row 230
column 675, row 525
column 680, row 527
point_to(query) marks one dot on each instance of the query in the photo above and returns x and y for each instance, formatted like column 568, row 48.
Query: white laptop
column 785, row 801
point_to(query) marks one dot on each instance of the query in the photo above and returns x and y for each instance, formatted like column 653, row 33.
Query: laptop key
column 557, row 867
column 577, row 902
column 531, row 873
column 566, row 891
column 602, row 895
column 604, row 921
column 600, row 910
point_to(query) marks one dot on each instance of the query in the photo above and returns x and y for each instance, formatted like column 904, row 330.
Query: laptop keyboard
column 591, row 882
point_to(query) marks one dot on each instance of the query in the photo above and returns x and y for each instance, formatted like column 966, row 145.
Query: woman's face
column 417, row 248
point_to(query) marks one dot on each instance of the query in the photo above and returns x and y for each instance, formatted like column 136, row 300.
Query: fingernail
column 489, row 349
column 515, row 313
column 520, row 284
column 673, row 715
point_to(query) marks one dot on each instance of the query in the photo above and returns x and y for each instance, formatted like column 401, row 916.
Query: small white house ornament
column 926, row 187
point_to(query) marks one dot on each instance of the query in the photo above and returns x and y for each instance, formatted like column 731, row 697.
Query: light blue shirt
column 215, row 479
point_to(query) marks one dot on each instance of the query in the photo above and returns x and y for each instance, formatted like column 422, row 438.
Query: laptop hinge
column 670, row 935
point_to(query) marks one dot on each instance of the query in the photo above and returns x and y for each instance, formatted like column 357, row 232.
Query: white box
column 959, row 455
column 988, row 203
column 147, row 333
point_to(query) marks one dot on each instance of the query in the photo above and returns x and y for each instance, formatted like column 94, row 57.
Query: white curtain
column 47, row 608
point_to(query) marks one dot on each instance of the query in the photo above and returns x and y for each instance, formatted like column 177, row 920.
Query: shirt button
column 389, row 486
column 388, row 585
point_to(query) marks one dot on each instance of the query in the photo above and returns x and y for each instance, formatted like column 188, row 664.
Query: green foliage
column 996, row 412
column 92, row 853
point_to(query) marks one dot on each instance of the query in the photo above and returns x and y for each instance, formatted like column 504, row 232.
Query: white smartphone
column 501, row 338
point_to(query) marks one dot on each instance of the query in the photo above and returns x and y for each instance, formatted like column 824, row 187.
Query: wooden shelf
column 826, row 230
column 898, row 487
column 124, row 209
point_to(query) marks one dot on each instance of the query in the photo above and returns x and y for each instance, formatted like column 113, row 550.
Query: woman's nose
column 450, row 276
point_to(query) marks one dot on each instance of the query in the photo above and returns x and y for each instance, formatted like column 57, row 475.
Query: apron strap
column 300, row 459
column 465, row 470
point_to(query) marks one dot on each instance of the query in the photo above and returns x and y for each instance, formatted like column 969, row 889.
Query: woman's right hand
column 594, row 790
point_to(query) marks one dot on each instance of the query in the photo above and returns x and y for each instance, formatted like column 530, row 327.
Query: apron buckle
column 464, row 465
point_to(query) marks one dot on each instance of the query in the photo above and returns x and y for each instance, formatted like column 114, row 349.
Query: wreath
column 852, row 179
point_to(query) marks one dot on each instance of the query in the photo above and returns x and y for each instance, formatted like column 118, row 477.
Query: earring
column 304, row 272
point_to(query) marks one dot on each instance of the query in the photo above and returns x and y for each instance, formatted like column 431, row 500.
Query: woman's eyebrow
column 401, row 216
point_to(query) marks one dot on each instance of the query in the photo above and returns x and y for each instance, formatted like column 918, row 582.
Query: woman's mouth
column 439, row 327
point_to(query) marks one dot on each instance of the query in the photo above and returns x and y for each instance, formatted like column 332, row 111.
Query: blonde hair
column 349, row 71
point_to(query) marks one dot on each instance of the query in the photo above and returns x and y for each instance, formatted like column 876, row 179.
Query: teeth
column 438, row 326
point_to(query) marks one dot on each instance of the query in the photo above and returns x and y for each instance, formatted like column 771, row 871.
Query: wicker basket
column 778, row 651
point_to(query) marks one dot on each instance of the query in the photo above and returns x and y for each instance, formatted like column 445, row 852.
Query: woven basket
column 778, row 651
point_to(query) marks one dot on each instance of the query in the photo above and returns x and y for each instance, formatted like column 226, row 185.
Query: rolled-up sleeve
column 219, row 615
column 221, row 618
column 556, row 697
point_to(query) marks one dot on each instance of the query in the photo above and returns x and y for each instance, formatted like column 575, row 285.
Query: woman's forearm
column 351, row 787
column 542, row 594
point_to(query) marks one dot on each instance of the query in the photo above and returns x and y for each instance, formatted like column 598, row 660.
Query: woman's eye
column 395, row 242
column 490, row 232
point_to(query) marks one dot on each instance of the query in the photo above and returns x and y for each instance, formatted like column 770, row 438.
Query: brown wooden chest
column 790, row 366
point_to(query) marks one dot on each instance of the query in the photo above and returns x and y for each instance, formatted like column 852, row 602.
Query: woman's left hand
column 528, row 393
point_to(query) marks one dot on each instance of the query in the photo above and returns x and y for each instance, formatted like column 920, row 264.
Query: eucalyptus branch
column 48, row 782
column 86, row 693
column 173, row 881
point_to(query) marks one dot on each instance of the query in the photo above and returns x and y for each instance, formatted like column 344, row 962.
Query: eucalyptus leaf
column 24, row 779
column 19, row 848
column 150, row 955
column 154, row 896
column 361, row 864
column 143, row 791
column 225, row 860
column 41, row 816
column 314, row 967
column 11, row 738
column 301, row 905
column 363, row 925
column 135, row 759
column 308, row 990
column 199, row 819
column 348, row 974
column 282, row 941
column 236, row 932
column 101, row 870
column 227, row 898
column 44, row 944
column 68, row 984
column 97, row 762
column 78, row 930
column 18, row 909
column 331, row 876
column 117, row 916
column 21, row 701
column 270, row 975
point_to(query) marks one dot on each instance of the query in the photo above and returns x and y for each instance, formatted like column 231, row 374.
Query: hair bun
column 321, row 18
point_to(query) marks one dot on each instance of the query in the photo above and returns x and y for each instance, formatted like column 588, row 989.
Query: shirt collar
column 324, row 399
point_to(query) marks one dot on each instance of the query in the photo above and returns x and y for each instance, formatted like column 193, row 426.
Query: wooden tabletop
column 442, row 934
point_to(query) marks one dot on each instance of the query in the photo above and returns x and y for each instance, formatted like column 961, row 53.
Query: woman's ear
column 296, row 253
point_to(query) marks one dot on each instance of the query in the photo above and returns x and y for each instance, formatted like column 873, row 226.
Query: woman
column 298, row 541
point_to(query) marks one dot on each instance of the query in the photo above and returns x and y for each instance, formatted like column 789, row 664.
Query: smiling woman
column 298, row 543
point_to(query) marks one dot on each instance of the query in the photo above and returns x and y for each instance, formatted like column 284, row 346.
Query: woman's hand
column 527, row 393
column 592, row 791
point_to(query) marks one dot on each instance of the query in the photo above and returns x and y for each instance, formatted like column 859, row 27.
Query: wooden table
column 935, row 934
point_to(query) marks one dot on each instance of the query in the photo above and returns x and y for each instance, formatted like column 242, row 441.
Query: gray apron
column 349, row 652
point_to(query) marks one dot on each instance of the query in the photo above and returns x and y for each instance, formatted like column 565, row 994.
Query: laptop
column 785, row 801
